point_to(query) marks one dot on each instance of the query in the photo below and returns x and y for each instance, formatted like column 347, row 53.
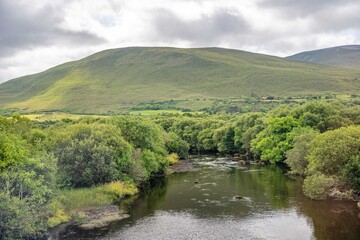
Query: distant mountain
column 343, row 56
column 118, row 78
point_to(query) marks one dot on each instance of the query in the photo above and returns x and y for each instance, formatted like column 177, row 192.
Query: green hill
column 342, row 56
column 119, row 78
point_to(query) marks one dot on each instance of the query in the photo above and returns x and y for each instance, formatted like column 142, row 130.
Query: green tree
column 296, row 157
column 272, row 143
column 148, row 140
column 174, row 144
column 90, row 154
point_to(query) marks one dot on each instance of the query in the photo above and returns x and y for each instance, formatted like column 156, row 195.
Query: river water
column 221, row 199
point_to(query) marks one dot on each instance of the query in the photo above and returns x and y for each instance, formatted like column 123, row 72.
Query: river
column 221, row 199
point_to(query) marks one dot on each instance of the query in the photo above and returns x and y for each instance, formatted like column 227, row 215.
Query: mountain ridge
column 347, row 56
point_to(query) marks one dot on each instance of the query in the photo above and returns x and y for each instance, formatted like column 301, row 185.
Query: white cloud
column 38, row 34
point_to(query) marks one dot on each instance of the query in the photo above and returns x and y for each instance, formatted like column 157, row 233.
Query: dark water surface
column 230, row 201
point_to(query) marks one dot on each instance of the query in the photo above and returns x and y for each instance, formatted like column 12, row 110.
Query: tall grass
column 69, row 203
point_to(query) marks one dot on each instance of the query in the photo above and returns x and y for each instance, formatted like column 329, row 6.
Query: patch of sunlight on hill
column 60, row 94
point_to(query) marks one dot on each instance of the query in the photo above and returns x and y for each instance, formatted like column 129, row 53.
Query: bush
column 316, row 186
column 148, row 140
column 174, row 144
column 296, row 157
column 332, row 150
column 351, row 172
column 173, row 158
column 90, row 154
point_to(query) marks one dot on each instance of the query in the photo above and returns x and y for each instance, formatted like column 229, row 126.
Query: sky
column 38, row 34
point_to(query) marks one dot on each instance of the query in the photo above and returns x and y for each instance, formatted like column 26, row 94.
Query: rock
column 101, row 217
column 238, row 197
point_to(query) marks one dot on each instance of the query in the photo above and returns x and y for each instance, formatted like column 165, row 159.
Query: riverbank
column 90, row 206
column 220, row 198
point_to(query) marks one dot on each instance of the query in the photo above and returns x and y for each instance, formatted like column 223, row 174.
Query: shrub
column 173, row 158
column 316, row 186
column 90, row 154
column 296, row 157
column 174, row 144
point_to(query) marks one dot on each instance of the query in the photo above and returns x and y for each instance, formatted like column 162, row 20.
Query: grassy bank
column 70, row 204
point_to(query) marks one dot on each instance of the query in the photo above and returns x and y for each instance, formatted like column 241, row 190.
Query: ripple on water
column 185, row 225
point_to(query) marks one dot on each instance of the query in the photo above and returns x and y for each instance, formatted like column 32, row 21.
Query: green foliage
column 141, row 133
column 296, row 158
column 224, row 139
column 90, row 154
column 25, row 189
column 13, row 150
column 174, row 144
column 351, row 172
column 69, row 203
column 330, row 151
column 273, row 142
column 322, row 115
column 316, row 186
column 333, row 155
column 27, row 179
column 148, row 139
column 246, row 127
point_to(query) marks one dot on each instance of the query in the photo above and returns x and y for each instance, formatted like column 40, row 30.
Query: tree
column 90, row 154
column 296, row 157
column 174, row 144
column 272, row 143
column 25, row 188
column 148, row 140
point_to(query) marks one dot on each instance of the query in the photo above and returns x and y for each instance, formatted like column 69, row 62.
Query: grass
column 154, row 112
column 69, row 204
column 114, row 80
column 54, row 116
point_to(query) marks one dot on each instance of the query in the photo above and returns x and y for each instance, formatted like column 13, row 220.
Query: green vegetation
column 70, row 202
column 118, row 80
column 52, row 171
column 89, row 154
column 42, row 167
column 319, row 140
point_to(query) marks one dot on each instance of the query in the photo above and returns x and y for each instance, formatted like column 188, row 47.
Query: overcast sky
column 38, row 34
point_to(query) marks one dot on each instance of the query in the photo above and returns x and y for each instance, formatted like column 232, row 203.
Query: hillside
column 119, row 78
column 342, row 56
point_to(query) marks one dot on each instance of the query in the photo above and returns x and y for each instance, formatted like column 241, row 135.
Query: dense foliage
column 90, row 154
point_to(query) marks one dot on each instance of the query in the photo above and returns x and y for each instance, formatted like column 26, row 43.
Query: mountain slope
column 342, row 56
column 117, row 78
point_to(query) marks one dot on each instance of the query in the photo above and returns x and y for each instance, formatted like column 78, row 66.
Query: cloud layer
column 38, row 34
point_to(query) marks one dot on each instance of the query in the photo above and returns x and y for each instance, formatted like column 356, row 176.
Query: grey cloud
column 302, row 8
column 337, row 21
column 23, row 28
column 209, row 29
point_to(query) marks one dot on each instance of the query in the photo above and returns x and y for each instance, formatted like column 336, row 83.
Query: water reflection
column 224, row 200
